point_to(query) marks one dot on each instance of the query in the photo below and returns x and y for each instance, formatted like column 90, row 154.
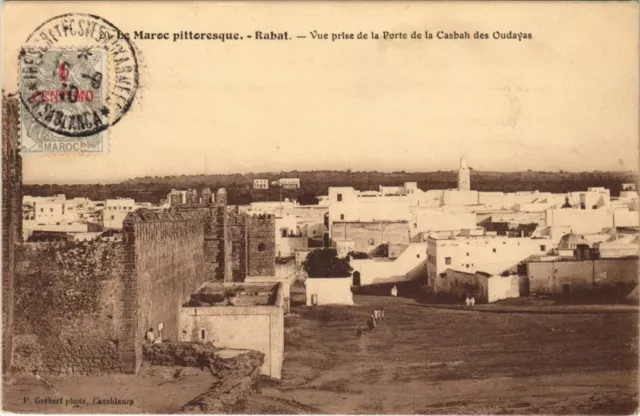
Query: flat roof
column 371, row 222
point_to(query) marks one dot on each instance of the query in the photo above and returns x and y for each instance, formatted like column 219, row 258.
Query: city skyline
column 346, row 171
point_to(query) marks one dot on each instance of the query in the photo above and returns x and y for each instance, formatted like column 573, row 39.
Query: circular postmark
column 78, row 75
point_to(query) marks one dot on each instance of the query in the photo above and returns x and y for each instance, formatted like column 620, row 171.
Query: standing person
column 394, row 291
column 382, row 314
column 467, row 301
column 359, row 332
column 371, row 322
column 472, row 301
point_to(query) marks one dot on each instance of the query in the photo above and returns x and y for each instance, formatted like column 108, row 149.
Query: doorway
column 356, row 279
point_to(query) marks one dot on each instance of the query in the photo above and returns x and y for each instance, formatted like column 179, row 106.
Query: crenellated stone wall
column 71, row 306
column 84, row 307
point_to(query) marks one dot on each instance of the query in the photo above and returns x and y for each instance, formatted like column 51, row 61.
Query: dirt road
column 426, row 360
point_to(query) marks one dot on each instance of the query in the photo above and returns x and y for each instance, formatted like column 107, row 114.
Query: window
column 284, row 232
column 203, row 334
column 113, row 217
column 447, row 260
column 341, row 216
column 339, row 197
column 543, row 248
column 41, row 209
column 51, row 209
column 494, row 250
column 261, row 247
column 371, row 241
column 467, row 254
column 417, row 256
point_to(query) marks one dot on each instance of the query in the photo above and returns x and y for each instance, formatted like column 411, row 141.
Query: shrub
column 326, row 263
column 358, row 255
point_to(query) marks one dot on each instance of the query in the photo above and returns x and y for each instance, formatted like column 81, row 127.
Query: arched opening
column 261, row 247
column 203, row 334
column 356, row 279
column 582, row 252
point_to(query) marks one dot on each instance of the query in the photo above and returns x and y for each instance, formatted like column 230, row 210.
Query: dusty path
column 427, row 360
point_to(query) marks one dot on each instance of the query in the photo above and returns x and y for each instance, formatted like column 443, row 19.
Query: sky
column 566, row 99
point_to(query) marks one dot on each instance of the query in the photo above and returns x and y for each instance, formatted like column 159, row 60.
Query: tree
column 326, row 263
column 308, row 198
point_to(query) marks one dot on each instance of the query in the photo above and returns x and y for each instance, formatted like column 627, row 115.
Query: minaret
column 464, row 176
column 221, row 196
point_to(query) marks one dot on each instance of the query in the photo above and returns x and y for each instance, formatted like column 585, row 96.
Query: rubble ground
column 153, row 390
column 175, row 378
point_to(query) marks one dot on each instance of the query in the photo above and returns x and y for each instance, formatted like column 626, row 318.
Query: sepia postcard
column 310, row 207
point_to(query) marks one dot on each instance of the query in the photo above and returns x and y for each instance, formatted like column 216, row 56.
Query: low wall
column 626, row 218
column 284, row 291
column 236, row 372
column 484, row 288
column 368, row 235
column 262, row 329
column 327, row 291
column 411, row 264
column 503, row 287
column 459, row 283
column 285, row 270
column 559, row 276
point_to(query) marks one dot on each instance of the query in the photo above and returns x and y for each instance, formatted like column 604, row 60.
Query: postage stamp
column 67, row 101
column 78, row 77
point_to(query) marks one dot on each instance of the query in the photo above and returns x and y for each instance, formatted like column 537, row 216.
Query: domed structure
column 571, row 241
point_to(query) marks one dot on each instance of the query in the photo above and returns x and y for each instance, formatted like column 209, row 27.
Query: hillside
column 153, row 189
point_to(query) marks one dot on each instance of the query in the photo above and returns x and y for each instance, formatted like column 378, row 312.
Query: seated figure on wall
column 151, row 338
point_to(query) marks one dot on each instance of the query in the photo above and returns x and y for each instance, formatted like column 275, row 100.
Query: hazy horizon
column 117, row 181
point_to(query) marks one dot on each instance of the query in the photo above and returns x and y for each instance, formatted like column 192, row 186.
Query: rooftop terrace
column 234, row 294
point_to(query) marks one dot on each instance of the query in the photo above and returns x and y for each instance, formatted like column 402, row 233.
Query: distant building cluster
column 58, row 218
column 285, row 183
column 447, row 238
column 261, row 184
column 191, row 197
